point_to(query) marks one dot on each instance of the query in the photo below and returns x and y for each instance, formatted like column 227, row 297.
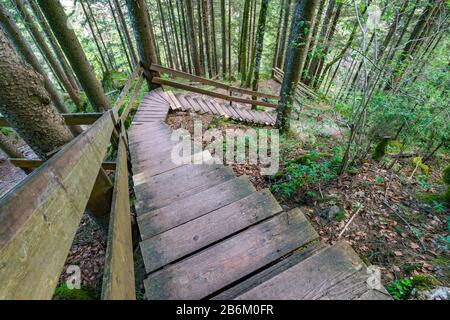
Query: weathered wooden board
column 266, row 274
column 205, row 230
column 154, row 198
column 168, row 217
column 182, row 86
column 118, row 276
column 177, row 73
column 71, row 119
column 210, row 270
column 334, row 273
column 34, row 244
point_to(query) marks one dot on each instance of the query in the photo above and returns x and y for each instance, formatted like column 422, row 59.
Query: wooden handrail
column 188, row 76
column 39, row 216
column 71, row 119
column 118, row 275
column 211, row 93
column 33, row 164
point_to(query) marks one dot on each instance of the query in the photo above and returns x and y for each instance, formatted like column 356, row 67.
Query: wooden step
column 157, row 221
column 334, row 273
column 199, row 233
column 153, row 197
column 210, row 270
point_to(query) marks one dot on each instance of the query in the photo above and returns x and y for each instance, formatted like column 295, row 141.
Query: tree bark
column 141, row 26
column 207, row 37
column 192, row 38
column 57, row 19
column 277, row 41
column 54, row 44
column 244, row 42
column 26, row 105
column 303, row 19
column 213, row 38
column 42, row 44
column 259, row 43
column 11, row 150
column 126, row 32
column 283, row 33
column 224, row 39
column 200, row 37
column 10, row 28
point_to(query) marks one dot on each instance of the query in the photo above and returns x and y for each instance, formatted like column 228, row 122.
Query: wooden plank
column 33, row 164
column 157, row 221
column 154, row 198
column 220, row 109
column 184, row 103
column 175, row 100
column 211, row 93
column 71, row 119
column 210, row 270
column 266, row 274
column 184, row 75
column 194, row 105
column 205, row 106
column 118, row 275
column 51, row 202
column 212, row 107
column 334, row 272
column 207, row 229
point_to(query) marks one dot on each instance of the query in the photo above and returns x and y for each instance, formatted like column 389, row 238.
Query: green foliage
column 306, row 170
column 417, row 161
column 446, row 175
column 401, row 289
column 6, row 131
column 340, row 216
column 64, row 293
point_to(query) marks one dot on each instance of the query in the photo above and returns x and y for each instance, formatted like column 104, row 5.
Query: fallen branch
column 349, row 222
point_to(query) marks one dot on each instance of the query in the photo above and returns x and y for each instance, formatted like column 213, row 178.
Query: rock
column 439, row 293
column 328, row 214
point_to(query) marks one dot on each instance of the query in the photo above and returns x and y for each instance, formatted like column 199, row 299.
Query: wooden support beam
column 127, row 109
column 184, row 75
column 71, row 119
column 33, row 164
column 40, row 216
column 118, row 276
column 212, row 93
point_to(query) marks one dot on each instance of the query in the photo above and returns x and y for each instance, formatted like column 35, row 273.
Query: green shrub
column 64, row 293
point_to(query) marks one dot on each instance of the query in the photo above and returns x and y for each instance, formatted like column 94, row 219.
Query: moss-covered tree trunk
column 58, row 21
column 303, row 18
column 26, row 105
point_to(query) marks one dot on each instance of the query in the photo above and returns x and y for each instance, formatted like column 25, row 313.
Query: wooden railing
column 302, row 90
column 230, row 89
column 40, row 216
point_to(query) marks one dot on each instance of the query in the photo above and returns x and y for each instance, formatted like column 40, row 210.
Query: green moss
column 429, row 197
column 340, row 216
column 424, row 281
column 64, row 293
column 417, row 161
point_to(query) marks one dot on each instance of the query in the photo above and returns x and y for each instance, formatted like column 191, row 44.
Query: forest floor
column 395, row 219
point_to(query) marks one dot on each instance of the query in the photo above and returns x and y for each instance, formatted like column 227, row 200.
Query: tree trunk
column 94, row 36
column 302, row 22
column 224, row 39
column 206, row 30
column 229, row 41
column 277, row 41
column 170, row 58
column 213, row 38
column 26, row 105
column 192, row 38
column 11, row 29
column 47, row 52
column 244, row 39
column 184, row 38
column 57, row 18
column 141, row 26
column 259, row 42
column 200, row 37
column 122, row 41
column 283, row 33
column 126, row 32
column 54, row 44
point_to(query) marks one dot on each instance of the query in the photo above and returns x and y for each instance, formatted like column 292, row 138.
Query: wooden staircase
column 207, row 234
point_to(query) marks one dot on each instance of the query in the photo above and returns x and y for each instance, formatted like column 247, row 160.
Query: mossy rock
column 64, row 293
column 380, row 150
column 417, row 161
